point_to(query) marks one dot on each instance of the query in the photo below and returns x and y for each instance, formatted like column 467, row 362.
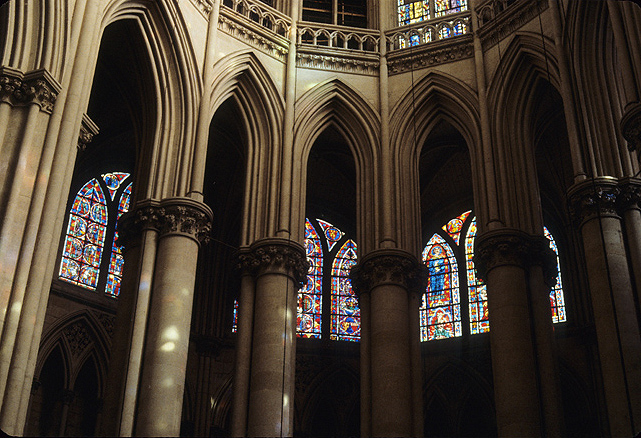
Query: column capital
column 388, row 267
column 513, row 247
column 171, row 216
column 276, row 255
column 630, row 195
column 596, row 197
column 37, row 87
column 631, row 126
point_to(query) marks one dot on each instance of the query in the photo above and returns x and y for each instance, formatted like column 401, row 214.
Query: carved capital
column 37, row 87
column 593, row 198
column 276, row 255
column 631, row 127
column 88, row 129
column 182, row 216
column 542, row 255
column 388, row 267
column 630, row 194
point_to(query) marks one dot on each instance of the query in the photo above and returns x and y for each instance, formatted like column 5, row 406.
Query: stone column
column 630, row 212
column 501, row 260
column 67, row 398
column 593, row 205
column 280, row 270
column 243, row 344
column 389, row 277
column 138, row 232
column 184, row 224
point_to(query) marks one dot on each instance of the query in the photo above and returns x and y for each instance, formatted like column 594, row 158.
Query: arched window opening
column 92, row 221
column 441, row 314
column 346, row 315
column 310, row 304
column 410, row 12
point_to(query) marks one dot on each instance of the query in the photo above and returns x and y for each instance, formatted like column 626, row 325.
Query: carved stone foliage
column 511, row 247
column 36, row 87
column 498, row 19
column 170, row 216
column 631, row 127
column 275, row 255
column 203, row 6
column 388, row 266
column 88, row 129
column 78, row 337
column 253, row 34
column 107, row 321
column 630, row 195
column 336, row 62
column 429, row 55
column 593, row 198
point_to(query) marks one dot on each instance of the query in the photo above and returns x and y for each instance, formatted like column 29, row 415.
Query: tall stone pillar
column 593, row 205
column 183, row 225
column 389, row 277
column 630, row 212
column 280, row 270
column 501, row 260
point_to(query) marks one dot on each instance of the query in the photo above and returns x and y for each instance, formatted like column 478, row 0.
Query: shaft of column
column 631, row 214
column 184, row 223
column 280, row 270
column 500, row 261
column 243, row 347
column 388, row 276
column 594, row 207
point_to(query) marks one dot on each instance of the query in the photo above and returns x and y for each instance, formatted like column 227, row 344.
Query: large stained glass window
column 92, row 221
column 346, row 315
column 445, row 7
column 310, row 303
column 413, row 11
column 557, row 301
column 441, row 313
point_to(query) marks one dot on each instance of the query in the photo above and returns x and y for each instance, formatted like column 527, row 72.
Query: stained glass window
column 413, row 11
column 92, row 220
column 445, row 7
column 454, row 227
column 85, row 239
column 440, row 312
column 332, row 234
column 234, row 326
column 346, row 314
column 310, row 302
column 557, row 302
column 477, row 291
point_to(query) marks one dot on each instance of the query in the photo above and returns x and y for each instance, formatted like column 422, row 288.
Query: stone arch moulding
column 169, row 141
column 336, row 104
column 242, row 77
column 434, row 97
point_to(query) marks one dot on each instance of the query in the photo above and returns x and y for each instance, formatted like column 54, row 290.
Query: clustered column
column 279, row 267
column 594, row 207
column 183, row 225
column 518, row 272
column 389, row 277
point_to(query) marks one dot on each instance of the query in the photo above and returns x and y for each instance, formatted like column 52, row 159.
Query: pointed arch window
column 412, row 11
column 85, row 260
column 441, row 315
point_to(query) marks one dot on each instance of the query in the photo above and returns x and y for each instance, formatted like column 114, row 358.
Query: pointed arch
column 335, row 104
column 176, row 88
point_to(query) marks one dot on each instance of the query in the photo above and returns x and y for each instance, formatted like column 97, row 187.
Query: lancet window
column 90, row 256
column 453, row 282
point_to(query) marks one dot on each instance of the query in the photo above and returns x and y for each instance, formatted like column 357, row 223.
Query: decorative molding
column 631, row 127
column 630, row 195
column 325, row 58
column 253, row 34
column 508, row 21
column 203, row 6
column 88, row 129
column 388, row 267
column 503, row 247
column 37, row 87
column 108, row 322
column 593, row 198
column 78, row 337
column 430, row 55
column 276, row 255
column 182, row 216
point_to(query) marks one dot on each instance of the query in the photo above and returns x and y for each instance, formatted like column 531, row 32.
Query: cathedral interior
column 320, row 218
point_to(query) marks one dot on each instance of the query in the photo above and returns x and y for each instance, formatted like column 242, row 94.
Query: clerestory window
column 341, row 12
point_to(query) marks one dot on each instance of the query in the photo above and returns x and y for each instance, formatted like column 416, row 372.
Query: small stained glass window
column 557, row 301
column 117, row 260
column 445, row 7
column 234, row 326
column 440, row 312
column 346, row 314
column 413, row 11
column 310, row 300
column 477, row 291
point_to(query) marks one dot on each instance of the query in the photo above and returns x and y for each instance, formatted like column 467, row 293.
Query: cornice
column 326, row 58
column 498, row 23
column 36, row 87
column 428, row 55
column 203, row 6
column 388, row 267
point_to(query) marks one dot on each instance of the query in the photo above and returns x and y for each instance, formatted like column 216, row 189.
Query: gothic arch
column 434, row 98
column 221, row 408
column 337, row 105
column 242, row 78
column 167, row 142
